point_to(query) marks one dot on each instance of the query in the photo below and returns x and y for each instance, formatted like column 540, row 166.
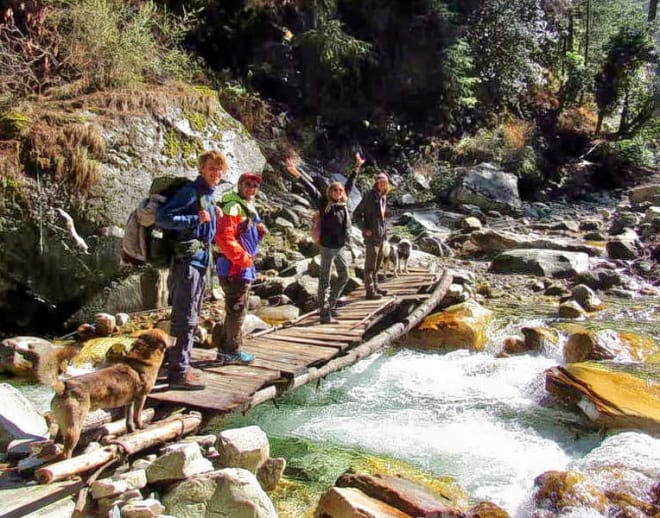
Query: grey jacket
column 370, row 215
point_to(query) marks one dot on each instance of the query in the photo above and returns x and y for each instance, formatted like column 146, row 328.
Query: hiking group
column 195, row 223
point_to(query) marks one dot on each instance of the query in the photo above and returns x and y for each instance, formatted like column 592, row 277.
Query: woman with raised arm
column 335, row 226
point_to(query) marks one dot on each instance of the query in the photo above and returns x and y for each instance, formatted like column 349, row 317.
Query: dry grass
column 577, row 120
column 10, row 163
column 515, row 134
column 69, row 152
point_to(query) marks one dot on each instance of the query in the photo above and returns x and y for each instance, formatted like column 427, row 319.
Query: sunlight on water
column 467, row 415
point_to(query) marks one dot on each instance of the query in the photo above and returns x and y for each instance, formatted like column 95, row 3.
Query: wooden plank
column 209, row 399
column 315, row 332
column 25, row 499
column 309, row 341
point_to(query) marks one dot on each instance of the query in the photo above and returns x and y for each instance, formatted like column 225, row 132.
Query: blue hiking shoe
column 239, row 358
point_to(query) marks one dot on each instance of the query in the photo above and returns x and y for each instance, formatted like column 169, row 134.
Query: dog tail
column 53, row 364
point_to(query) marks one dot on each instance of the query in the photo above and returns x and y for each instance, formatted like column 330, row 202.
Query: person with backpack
column 333, row 226
column 240, row 230
column 369, row 216
column 191, row 216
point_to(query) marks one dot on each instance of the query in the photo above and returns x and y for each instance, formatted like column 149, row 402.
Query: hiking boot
column 237, row 358
column 381, row 291
column 327, row 318
column 374, row 296
column 189, row 381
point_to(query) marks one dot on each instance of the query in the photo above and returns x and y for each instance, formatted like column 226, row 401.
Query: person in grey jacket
column 369, row 216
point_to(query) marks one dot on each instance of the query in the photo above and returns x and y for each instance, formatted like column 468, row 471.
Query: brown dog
column 123, row 384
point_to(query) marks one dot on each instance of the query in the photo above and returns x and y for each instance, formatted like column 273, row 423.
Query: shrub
column 577, row 120
column 111, row 43
column 625, row 154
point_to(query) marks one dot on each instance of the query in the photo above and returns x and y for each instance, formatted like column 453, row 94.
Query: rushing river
column 485, row 421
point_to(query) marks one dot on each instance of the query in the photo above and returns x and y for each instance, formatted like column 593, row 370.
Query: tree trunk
column 653, row 10
column 587, row 27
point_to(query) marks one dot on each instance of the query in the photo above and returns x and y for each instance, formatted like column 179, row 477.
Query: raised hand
column 291, row 167
column 359, row 161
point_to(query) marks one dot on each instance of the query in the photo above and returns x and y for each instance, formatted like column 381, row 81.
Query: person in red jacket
column 239, row 232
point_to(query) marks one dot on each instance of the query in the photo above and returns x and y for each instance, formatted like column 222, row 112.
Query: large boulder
column 543, row 263
column 488, row 188
column 18, row 418
column 62, row 251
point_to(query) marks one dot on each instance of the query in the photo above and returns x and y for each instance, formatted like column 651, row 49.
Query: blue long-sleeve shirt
column 180, row 214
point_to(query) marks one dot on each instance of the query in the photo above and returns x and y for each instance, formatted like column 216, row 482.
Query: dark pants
column 186, row 285
column 373, row 258
column 236, row 291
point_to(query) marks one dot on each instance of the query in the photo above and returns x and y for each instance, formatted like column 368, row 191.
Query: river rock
column 545, row 263
column 561, row 491
column 18, row 418
column 540, row 338
column 460, row 326
column 586, row 297
column 608, row 344
column 274, row 315
column 404, row 495
column 149, row 508
column 622, row 248
column 571, row 309
column 229, row 492
column 489, row 240
column 178, row 461
column 270, row 472
column 617, row 478
column 246, row 448
column 487, row 187
column 612, row 395
column 648, row 193
column 347, row 502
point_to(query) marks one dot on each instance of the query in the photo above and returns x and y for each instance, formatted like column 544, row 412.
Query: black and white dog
column 404, row 247
column 395, row 256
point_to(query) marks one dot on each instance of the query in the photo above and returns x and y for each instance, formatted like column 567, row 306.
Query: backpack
column 315, row 227
column 144, row 242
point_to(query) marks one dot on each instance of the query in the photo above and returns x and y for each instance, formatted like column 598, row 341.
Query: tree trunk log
column 160, row 432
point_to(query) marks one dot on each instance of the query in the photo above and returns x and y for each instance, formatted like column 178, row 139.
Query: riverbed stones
column 545, row 263
column 179, row 461
column 342, row 502
column 246, row 448
column 21, row 356
column 230, row 492
column 587, row 298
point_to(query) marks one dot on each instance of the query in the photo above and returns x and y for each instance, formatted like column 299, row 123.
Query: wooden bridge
column 303, row 350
